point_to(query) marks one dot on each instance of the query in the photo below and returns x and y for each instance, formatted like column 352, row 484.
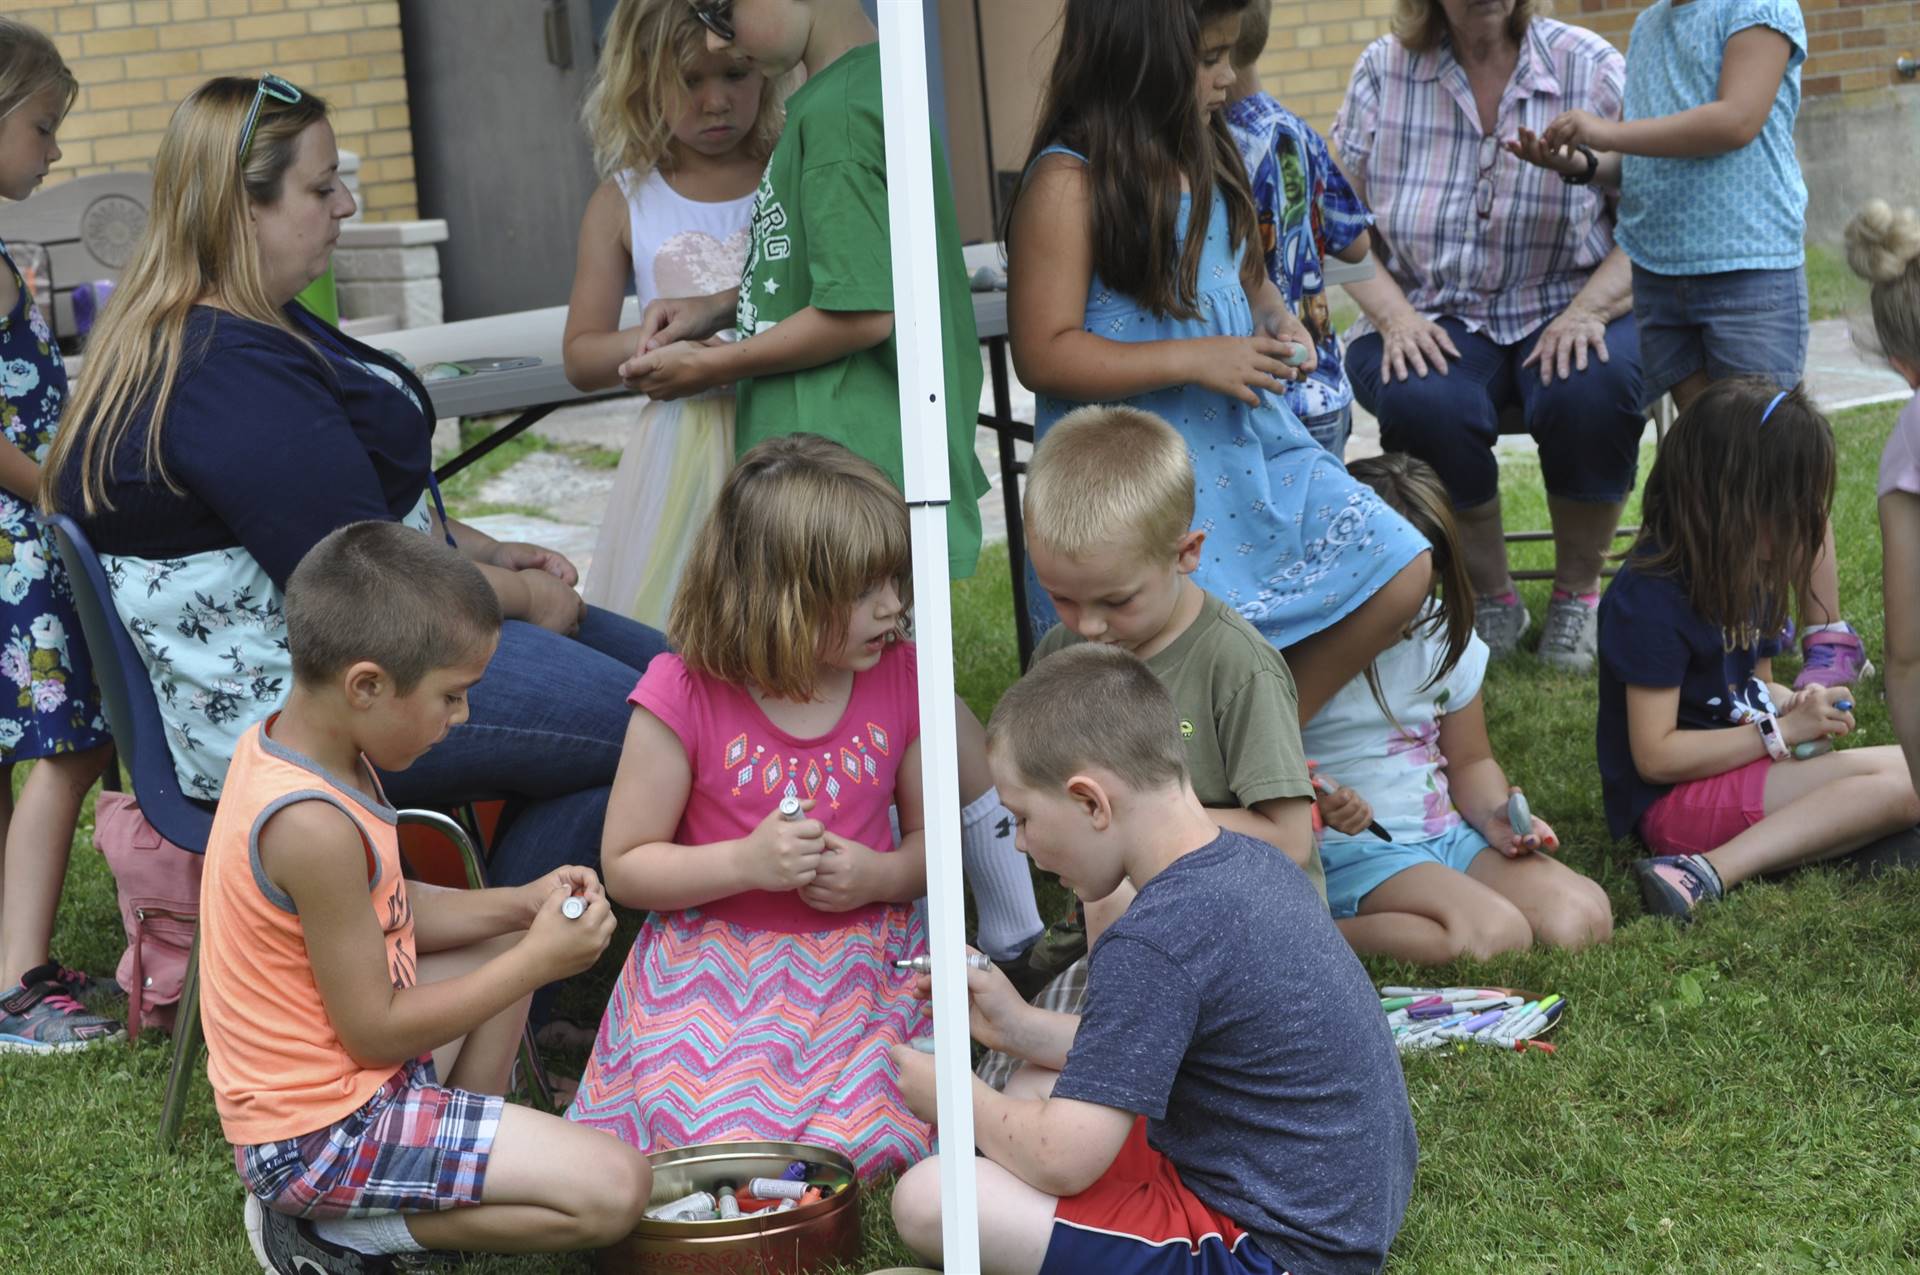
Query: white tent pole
column 923, row 446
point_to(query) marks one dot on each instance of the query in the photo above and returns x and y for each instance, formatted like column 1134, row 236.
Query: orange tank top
column 278, row 1068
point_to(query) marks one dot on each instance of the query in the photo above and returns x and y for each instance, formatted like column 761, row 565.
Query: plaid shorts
column 1066, row 994
column 414, row 1147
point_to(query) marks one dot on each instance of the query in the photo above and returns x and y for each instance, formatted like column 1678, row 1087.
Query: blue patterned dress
column 55, row 707
column 1293, row 543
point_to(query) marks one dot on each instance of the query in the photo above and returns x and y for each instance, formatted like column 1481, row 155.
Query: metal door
column 495, row 88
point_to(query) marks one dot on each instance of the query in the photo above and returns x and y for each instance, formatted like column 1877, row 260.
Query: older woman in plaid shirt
column 1502, row 290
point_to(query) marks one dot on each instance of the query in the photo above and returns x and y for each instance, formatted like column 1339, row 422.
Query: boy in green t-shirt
column 812, row 348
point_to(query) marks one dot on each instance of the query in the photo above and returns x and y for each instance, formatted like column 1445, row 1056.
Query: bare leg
column 6, row 826
column 551, row 1186
column 1016, row 1220
column 971, row 741
column 1564, row 908
column 482, row 1060
column 1431, row 915
column 1582, row 535
column 1331, row 658
column 1821, row 603
column 37, row 846
column 1483, row 547
column 1689, row 389
column 1822, row 807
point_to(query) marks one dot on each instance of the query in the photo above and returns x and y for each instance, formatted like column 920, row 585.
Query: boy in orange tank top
column 335, row 999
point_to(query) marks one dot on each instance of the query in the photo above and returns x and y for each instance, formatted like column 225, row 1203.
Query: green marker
column 1392, row 1003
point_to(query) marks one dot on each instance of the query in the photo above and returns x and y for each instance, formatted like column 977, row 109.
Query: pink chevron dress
column 757, row 1016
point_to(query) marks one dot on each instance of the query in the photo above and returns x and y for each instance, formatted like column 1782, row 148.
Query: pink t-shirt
column 742, row 765
column 1900, row 462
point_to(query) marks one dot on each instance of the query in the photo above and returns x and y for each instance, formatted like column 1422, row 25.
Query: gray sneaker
column 1570, row 635
column 287, row 1246
column 1500, row 624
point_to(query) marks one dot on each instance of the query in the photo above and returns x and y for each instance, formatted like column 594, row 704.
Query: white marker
column 574, row 908
column 790, row 809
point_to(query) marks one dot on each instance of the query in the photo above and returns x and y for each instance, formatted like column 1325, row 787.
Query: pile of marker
column 728, row 1201
column 1494, row 1017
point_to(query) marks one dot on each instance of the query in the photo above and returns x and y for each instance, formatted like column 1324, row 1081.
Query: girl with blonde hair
column 750, row 819
column 681, row 136
column 55, row 715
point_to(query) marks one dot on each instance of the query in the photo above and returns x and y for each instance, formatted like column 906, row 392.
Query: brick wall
column 137, row 58
column 1851, row 44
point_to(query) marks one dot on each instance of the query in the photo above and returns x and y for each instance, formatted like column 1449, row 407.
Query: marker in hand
column 924, row 964
column 573, row 908
column 1814, row 747
column 1322, row 784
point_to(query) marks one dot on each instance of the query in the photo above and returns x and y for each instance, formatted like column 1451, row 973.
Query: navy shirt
column 1225, row 1007
column 272, row 446
column 1650, row 636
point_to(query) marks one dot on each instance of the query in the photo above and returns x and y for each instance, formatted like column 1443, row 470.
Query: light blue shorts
column 1355, row 865
column 1739, row 323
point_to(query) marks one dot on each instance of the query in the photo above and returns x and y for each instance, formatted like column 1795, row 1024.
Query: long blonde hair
column 802, row 529
column 29, row 62
column 199, row 244
column 639, row 87
column 1421, row 25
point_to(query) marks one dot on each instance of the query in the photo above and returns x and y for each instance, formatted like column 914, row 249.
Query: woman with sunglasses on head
column 222, row 431
column 1501, row 289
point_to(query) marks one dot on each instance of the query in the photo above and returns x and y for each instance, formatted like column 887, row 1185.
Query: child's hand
column 783, row 854
column 994, row 1006
column 1502, row 836
column 562, row 946
column 844, row 879
column 1283, row 324
column 913, row 1072
column 1813, row 714
column 1529, row 147
column 673, row 319
column 1342, row 809
column 551, row 604
column 570, row 877
column 1578, row 128
column 1239, row 366
column 669, row 372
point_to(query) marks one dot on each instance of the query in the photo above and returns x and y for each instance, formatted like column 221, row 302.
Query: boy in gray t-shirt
column 1231, row 1098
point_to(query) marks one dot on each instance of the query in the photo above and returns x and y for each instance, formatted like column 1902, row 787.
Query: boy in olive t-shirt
column 814, row 312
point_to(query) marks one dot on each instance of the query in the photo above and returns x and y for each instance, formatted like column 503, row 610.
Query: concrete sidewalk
column 573, row 496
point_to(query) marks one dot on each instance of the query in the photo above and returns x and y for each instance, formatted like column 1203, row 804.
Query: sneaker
column 42, row 1017
column 1833, row 659
column 1500, row 620
column 1059, row 946
column 1676, row 885
column 287, row 1246
column 1571, row 634
column 78, row 984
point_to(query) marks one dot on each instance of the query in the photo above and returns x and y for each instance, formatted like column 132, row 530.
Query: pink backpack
column 159, row 888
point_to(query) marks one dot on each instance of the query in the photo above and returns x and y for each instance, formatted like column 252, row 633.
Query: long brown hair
column 1736, row 506
column 198, row 245
column 801, row 530
column 1122, row 93
column 1414, row 491
column 29, row 62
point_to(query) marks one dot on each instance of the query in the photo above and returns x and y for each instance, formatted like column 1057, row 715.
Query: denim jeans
column 1332, row 430
column 544, row 730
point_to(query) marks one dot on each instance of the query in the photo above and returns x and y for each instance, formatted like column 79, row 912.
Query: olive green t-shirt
column 820, row 238
column 1239, row 713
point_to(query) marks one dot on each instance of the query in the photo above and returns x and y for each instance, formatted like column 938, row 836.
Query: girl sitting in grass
column 1724, row 773
column 1457, row 879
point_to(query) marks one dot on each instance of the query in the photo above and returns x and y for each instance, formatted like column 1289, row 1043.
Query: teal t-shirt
column 1744, row 210
column 820, row 238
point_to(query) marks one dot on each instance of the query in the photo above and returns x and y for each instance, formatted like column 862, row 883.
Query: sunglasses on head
column 270, row 86
column 716, row 16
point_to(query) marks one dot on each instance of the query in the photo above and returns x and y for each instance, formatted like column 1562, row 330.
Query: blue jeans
column 1332, row 430
column 544, row 731
column 1738, row 323
column 1588, row 426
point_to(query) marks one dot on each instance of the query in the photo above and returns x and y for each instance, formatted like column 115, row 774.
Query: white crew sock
column 1838, row 626
column 386, row 1233
column 999, row 877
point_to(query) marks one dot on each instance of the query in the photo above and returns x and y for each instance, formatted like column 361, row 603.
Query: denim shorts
column 1739, row 323
column 1332, row 430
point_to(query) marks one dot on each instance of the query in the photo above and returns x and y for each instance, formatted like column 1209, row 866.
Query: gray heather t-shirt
column 1225, row 1007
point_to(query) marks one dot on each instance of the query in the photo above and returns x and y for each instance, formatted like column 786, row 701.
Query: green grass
column 1833, row 290
column 1742, row 1095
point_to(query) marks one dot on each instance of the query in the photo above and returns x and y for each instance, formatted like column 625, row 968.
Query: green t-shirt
column 1239, row 713
column 820, row 239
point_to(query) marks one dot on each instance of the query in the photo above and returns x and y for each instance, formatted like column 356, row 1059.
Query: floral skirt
column 50, row 702
column 718, row 1033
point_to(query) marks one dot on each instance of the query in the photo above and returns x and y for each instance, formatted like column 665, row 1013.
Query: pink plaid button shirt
column 1472, row 232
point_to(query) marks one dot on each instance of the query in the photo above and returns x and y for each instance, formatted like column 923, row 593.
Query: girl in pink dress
column 760, row 998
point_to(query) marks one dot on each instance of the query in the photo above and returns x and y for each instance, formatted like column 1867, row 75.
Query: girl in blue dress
column 1112, row 300
column 49, row 709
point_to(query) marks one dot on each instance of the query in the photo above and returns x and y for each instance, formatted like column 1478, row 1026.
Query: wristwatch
column 1593, row 167
column 1775, row 741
